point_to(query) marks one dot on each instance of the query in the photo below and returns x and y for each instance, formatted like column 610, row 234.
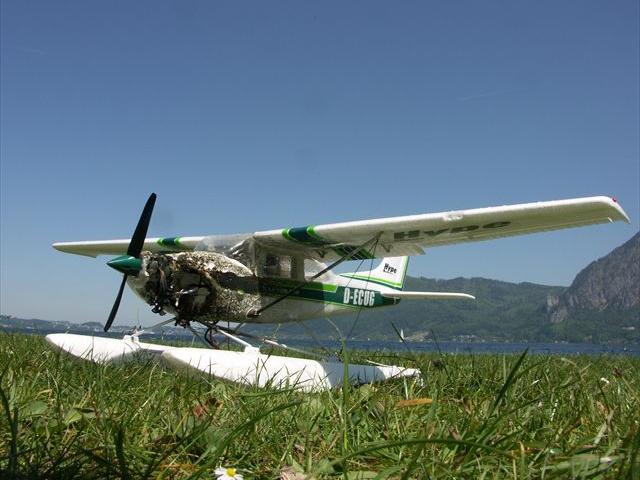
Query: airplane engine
column 203, row 286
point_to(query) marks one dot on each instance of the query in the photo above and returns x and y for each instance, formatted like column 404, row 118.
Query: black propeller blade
column 116, row 304
column 140, row 233
column 134, row 249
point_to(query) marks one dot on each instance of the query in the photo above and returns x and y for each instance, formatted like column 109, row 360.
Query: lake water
column 480, row 347
column 446, row 347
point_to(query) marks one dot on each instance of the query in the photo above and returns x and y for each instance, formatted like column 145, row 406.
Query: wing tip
column 613, row 202
column 71, row 247
column 616, row 212
column 60, row 246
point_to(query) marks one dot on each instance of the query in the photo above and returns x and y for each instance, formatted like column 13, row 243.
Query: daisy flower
column 223, row 473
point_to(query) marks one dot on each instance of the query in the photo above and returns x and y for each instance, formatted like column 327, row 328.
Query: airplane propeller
column 130, row 263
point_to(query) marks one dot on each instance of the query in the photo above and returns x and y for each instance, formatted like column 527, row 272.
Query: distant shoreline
column 445, row 346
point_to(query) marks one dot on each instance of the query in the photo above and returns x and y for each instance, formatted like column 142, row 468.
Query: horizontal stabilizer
column 428, row 295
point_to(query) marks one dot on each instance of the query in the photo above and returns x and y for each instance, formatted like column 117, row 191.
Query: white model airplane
column 286, row 275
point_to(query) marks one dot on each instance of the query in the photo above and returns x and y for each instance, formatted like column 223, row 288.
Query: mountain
column 611, row 283
column 606, row 292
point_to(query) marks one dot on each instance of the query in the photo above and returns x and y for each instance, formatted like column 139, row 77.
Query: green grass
column 491, row 416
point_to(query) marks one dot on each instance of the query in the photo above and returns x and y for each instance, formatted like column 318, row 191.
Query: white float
column 251, row 367
column 102, row 349
column 248, row 367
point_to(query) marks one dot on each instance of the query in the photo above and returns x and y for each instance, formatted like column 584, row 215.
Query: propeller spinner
column 130, row 263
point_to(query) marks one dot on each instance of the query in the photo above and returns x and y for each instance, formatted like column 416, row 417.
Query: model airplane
column 287, row 275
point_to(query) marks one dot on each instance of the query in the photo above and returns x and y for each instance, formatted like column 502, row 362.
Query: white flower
column 223, row 473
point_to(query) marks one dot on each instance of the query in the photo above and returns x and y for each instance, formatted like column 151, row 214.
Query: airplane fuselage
column 211, row 287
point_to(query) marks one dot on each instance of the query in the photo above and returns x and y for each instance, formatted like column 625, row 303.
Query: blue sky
column 248, row 116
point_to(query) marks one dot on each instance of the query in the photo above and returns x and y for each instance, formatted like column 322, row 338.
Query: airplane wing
column 396, row 236
column 119, row 247
column 409, row 235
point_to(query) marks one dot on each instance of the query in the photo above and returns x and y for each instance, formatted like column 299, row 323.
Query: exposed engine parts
column 196, row 286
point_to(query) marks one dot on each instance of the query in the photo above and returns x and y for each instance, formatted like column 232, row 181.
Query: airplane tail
column 391, row 273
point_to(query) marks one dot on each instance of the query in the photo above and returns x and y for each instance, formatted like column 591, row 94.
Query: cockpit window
column 277, row 266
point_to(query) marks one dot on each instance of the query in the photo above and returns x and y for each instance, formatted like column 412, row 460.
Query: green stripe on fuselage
column 328, row 293
column 289, row 284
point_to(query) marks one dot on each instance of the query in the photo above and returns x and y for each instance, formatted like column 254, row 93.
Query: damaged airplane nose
column 126, row 264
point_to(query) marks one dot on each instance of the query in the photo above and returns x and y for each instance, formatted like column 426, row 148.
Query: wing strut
column 232, row 333
column 373, row 241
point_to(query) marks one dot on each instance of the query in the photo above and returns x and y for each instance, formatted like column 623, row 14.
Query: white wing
column 409, row 235
column 119, row 247
column 398, row 236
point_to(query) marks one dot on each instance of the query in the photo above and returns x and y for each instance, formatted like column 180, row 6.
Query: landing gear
column 213, row 329
column 208, row 336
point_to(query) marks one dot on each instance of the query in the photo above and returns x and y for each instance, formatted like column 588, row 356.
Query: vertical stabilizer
column 391, row 273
